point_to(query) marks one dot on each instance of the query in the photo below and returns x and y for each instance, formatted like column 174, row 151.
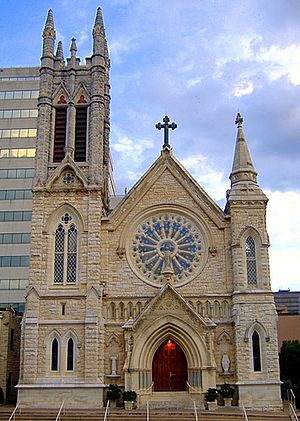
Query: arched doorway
column 169, row 368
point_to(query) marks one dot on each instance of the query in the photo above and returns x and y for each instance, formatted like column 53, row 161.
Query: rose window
column 168, row 244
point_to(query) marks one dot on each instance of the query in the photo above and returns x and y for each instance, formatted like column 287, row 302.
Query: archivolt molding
column 169, row 327
column 53, row 219
column 81, row 90
column 260, row 328
column 61, row 90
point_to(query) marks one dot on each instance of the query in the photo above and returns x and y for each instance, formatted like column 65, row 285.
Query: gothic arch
column 51, row 221
column 170, row 327
column 224, row 336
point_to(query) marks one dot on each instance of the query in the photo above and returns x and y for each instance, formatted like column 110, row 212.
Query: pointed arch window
column 251, row 261
column 80, row 130
column 54, row 355
column 60, row 129
column 70, row 355
column 65, row 252
column 256, row 351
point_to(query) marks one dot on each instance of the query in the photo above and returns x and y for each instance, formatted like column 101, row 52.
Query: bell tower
column 253, row 308
column 63, row 332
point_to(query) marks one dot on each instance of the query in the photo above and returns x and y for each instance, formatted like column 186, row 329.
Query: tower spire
column 242, row 169
column 49, row 36
column 99, row 40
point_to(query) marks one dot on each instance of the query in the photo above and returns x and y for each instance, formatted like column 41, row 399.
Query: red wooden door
column 169, row 368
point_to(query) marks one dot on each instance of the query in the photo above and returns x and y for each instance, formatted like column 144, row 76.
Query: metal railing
column 60, row 411
column 149, row 388
column 292, row 413
column 244, row 412
column 13, row 414
column 195, row 411
column 148, row 411
column 106, row 411
column 192, row 388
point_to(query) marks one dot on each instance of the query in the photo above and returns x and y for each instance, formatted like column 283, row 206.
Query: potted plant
column 129, row 397
column 210, row 397
column 227, row 392
column 113, row 394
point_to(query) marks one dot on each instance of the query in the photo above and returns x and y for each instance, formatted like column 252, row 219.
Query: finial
column 59, row 51
column 239, row 120
column 73, row 48
column 166, row 126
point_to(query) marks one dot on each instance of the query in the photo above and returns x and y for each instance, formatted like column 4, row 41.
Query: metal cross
column 166, row 126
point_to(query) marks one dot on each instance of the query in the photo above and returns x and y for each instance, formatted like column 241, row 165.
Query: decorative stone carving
column 225, row 363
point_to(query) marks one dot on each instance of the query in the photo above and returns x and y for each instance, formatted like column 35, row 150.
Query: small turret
column 59, row 56
column 74, row 60
column 99, row 40
column 48, row 37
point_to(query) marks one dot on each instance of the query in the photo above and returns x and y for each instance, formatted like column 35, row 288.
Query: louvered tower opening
column 60, row 134
column 80, row 134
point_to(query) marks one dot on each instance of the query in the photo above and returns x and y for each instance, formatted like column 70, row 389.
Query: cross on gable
column 166, row 126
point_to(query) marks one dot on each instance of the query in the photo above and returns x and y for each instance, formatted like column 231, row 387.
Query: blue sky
column 199, row 61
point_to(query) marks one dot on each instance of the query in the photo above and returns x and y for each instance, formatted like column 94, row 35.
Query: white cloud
column 244, row 88
column 119, row 47
column 283, row 220
column 132, row 149
column 281, row 61
column 207, row 176
column 193, row 82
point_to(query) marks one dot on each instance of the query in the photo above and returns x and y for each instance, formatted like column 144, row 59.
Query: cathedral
column 163, row 293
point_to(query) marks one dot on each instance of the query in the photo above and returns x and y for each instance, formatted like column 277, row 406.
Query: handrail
column 148, row 411
column 106, row 411
column 195, row 410
column 292, row 398
column 59, row 411
column 150, row 387
column 244, row 412
column 13, row 414
column 192, row 387
column 292, row 413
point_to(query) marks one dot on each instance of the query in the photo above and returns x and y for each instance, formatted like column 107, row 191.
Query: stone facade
column 10, row 338
column 166, row 265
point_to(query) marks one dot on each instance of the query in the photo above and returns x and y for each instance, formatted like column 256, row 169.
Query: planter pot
column 227, row 401
column 211, row 406
column 129, row 405
column 113, row 403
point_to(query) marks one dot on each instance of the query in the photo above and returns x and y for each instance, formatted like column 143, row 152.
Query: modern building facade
column 19, row 91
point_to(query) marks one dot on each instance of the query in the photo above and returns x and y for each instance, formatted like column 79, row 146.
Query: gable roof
column 167, row 161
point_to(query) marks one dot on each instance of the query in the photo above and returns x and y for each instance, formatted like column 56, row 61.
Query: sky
column 200, row 62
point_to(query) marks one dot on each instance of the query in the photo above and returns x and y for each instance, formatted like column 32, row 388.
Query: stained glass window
column 167, row 244
column 65, row 252
column 251, row 261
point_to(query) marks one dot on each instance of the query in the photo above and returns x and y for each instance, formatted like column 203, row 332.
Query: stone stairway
column 221, row 414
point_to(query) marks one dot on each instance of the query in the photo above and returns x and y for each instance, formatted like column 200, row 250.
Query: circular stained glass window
column 168, row 244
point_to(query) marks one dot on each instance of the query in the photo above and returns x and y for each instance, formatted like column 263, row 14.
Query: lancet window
column 54, row 355
column 60, row 131
column 251, row 261
column 80, row 130
column 256, row 351
column 70, row 355
column 65, row 251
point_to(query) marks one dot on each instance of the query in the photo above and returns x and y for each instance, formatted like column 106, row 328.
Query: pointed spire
column 242, row 169
column 99, row 40
column 48, row 40
column 98, row 21
column 73, row 48
column 59, row 52
column 49, row 25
